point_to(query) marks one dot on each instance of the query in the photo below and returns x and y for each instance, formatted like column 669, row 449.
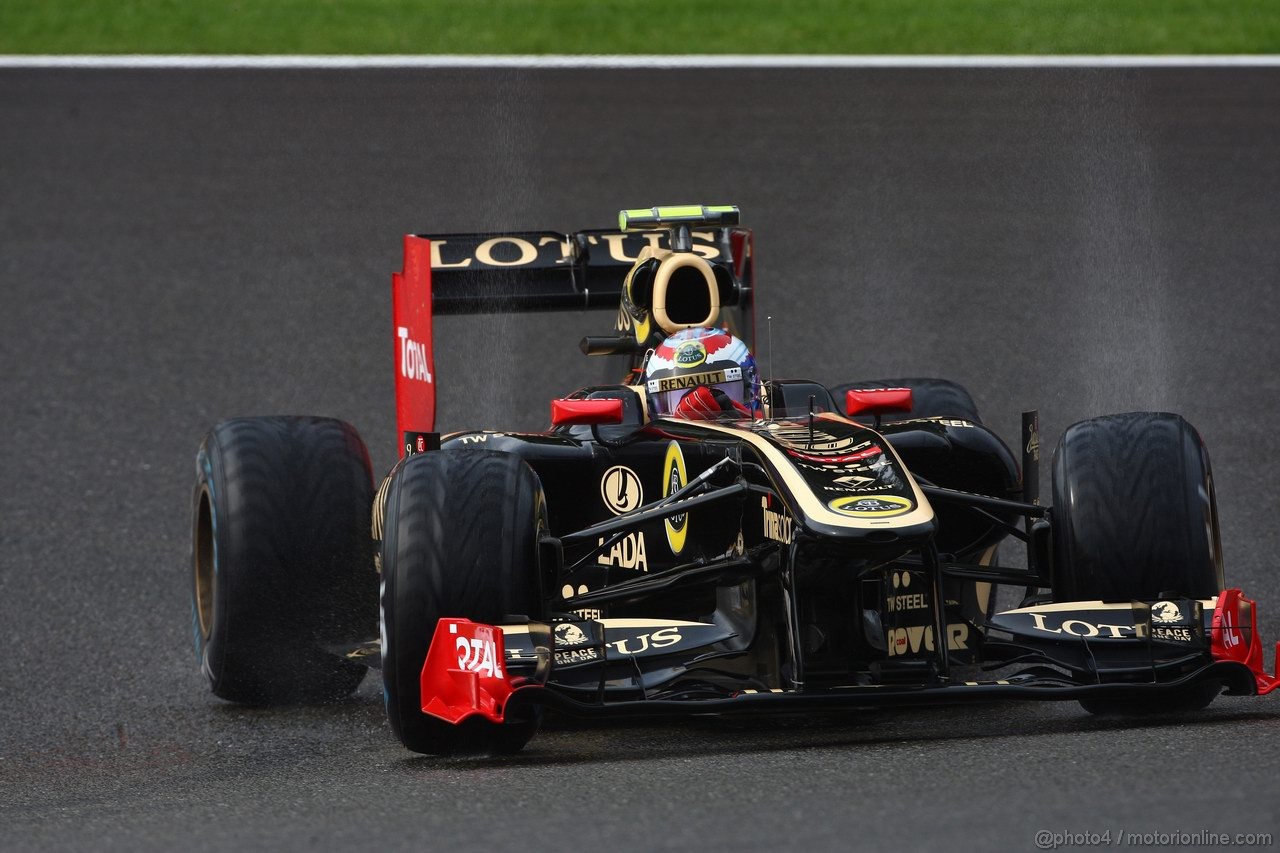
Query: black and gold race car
column 836, row 548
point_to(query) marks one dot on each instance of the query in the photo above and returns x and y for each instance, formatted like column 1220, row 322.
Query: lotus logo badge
column 674, row 478
column 880, row 506
column 691, row 354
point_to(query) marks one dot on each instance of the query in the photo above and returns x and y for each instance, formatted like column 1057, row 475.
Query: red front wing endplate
column 465, row 673
column 1236, row 638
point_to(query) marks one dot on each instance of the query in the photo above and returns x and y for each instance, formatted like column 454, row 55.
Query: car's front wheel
column 1135, row 517
column 460, row 540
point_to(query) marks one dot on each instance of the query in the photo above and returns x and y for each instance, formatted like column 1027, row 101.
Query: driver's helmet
column 702, row 356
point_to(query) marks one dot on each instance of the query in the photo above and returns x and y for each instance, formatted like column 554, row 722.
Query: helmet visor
column 665, row 394
column 664, row 402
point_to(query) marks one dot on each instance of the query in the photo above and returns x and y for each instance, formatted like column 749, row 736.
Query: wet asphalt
column 178, row 247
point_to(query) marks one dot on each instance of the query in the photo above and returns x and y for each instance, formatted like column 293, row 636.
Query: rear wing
column 530, row 271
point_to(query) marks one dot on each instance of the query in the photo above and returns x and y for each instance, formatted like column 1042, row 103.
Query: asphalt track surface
column 178, row 247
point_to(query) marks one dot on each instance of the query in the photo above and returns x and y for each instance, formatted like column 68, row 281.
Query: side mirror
column 877, row 401
column 585, row 412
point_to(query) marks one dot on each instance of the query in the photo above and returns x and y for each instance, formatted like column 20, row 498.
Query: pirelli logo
column 692, row 380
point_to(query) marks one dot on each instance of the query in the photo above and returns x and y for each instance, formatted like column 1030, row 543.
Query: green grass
column 640, row 26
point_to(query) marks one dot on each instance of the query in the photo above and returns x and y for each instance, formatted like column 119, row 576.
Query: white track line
column 641, row 62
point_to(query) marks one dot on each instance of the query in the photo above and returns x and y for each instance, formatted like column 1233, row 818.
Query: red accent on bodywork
column 465, row 672
column 834, row 460
column 1235, row 637
column 578, row 412
column 411, row 337
column 877, row 401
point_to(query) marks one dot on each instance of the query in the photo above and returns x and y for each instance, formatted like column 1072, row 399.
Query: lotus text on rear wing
column 551, row 249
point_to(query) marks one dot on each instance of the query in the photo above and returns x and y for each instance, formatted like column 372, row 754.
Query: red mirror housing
column 590, row 412
column 877, row 401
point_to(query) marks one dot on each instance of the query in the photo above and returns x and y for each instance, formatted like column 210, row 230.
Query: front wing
column 473, row 669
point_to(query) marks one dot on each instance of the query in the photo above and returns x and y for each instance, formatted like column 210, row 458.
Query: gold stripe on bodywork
column 1076, row 606
column 619, row 623
column 809, row 504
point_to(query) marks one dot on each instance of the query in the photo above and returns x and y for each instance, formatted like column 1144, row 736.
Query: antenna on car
column 768, row 325
column 812, row 398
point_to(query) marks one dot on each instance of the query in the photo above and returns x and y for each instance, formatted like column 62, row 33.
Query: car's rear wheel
column 282, row 563
column 930, row 398
column 460, row 540
column 1135, row 517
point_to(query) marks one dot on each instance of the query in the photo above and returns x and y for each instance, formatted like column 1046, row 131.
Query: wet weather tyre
column 1134, row 512
column 460, row 540
column 930, row 398
column 1135, row 517
column 282, row 560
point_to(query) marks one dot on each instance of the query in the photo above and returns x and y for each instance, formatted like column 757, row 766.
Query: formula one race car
column 775, row 546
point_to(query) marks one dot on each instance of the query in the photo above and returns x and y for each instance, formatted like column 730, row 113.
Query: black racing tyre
column 282, row 562
column 1135, row 517
column 930, row 398
column 1134, row 514
column 460, row 540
